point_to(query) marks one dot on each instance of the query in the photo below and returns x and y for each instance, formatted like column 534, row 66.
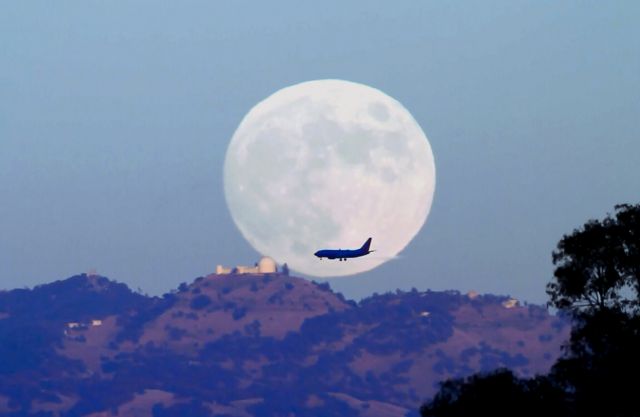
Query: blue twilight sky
column 115, row 117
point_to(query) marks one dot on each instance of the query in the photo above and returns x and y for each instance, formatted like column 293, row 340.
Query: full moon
column 326, row 164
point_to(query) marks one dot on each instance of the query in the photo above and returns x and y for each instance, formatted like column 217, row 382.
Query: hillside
column 244, row 345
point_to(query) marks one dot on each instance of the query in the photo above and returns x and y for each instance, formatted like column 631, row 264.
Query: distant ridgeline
column 253, row 343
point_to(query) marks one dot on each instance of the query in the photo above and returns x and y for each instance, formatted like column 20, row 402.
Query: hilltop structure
column 265, row 265
column 510, row 303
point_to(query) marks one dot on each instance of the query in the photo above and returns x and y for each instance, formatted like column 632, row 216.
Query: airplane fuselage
column 344, row 254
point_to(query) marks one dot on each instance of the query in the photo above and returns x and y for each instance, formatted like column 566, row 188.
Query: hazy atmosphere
column 115, row 119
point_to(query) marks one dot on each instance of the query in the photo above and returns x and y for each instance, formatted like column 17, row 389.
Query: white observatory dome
column 266, row 265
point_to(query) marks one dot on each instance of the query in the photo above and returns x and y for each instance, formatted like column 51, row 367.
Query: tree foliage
column 597, row 282
column 496, row 394
column 598, row 265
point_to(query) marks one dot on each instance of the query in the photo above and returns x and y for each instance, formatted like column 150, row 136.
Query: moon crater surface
column 327, row 164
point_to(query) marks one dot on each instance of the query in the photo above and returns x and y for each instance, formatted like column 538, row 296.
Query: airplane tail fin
column 366, row 246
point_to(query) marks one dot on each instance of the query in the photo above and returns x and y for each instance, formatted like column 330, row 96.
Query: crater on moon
column 327, row 164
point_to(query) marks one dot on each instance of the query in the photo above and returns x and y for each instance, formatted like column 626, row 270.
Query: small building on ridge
column 265, row 265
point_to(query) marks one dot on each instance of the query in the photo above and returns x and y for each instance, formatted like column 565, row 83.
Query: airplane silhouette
column 344, row 254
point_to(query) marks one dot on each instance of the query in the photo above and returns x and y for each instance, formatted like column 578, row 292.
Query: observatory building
column 265, row 265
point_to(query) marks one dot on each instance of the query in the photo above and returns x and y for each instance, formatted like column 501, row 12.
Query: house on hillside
column 510, row 303
column 472, row 295
column 80, row 326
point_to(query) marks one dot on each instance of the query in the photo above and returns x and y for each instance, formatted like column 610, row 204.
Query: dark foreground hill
column 253, row 345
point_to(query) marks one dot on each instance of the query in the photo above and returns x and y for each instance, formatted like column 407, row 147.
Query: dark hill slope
column 32, row 321
column 242, row 345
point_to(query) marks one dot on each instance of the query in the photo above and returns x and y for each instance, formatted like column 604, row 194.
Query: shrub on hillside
column 200, row 302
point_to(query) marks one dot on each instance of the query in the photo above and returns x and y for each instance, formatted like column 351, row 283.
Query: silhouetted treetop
column 598, row 265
